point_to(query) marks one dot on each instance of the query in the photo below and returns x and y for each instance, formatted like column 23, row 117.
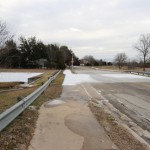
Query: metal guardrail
column 141, row 73
column 10, row 114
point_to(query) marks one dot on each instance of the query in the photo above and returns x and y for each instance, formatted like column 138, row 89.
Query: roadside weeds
column 117, row 132
column 18, row 134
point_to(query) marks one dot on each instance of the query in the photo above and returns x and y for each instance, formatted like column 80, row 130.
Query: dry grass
column 6, row 85
column 124, row 68
column 44, row 78
column 18, row 134
column 118, row 134
column 7, row 99
column 53, row 91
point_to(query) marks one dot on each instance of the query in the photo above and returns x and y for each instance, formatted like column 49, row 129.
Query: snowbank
column 74, row 79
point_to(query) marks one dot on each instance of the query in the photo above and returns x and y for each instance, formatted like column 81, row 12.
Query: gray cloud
column 89, row 27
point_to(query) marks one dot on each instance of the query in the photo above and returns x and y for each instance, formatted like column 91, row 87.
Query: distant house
column 83, row 62
column 41, row 62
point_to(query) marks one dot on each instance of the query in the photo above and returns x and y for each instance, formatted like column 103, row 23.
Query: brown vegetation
column 118, row 133
column 6, row 85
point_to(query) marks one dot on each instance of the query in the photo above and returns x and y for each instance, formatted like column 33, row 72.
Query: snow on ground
column 124, row 76
column 17, row 76
column 74, row 79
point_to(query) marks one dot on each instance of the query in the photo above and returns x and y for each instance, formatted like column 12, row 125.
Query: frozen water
column 16, row 76
column 124, row 76
column 55, row 102
column 74, row 79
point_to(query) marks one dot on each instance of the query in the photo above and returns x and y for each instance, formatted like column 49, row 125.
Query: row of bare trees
column 121, row 59
column 143, row 47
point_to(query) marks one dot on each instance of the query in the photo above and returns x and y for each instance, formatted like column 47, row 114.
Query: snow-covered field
column 17, row 76
column 74, row 79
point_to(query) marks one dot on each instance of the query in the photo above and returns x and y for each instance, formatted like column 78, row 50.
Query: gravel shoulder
column 118, row 132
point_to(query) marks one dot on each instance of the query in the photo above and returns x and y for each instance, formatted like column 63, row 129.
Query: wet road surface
column 128, row 93
column 68, row 124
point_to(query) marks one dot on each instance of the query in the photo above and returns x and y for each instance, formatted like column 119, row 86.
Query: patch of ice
column 74, row 79
column 26, row 85
column 124, row 76
column 16, row 76
column 55, row 102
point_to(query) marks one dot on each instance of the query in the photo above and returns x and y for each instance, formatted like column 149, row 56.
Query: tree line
column 89, row 60
column 143, row 48
column 121, row 59
column 32, row 53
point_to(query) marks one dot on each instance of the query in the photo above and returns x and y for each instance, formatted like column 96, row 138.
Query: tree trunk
column 144, row 64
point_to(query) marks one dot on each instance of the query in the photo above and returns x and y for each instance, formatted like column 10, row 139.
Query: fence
column 141, row 73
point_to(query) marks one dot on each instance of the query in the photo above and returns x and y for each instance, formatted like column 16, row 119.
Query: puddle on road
column 55, row 103
column 94, row 135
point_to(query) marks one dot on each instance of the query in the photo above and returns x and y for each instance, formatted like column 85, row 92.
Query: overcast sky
column 101, row 28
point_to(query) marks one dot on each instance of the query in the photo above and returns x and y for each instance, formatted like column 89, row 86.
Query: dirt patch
column 118, row 134
column 7, row 85
column 18, row 134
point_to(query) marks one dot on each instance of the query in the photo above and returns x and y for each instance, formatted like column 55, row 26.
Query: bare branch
column 143, row 46
column 4, row 34
column 120, row 59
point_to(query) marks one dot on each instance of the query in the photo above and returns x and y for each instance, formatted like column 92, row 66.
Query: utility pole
column 72, row 63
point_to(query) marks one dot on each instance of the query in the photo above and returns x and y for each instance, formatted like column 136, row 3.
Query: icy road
column 127, row 92
column 67, row 122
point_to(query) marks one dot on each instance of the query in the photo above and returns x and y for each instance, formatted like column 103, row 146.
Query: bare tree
column 143, row 46
column 4, row 34
column 120, row 59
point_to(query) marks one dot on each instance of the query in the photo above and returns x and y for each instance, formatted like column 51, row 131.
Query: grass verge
column 117, row 132
column 7, row 85
column 18, row 134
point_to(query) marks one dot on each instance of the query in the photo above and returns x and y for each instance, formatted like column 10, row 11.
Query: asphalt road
column 67, row 122
column 128, row 93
